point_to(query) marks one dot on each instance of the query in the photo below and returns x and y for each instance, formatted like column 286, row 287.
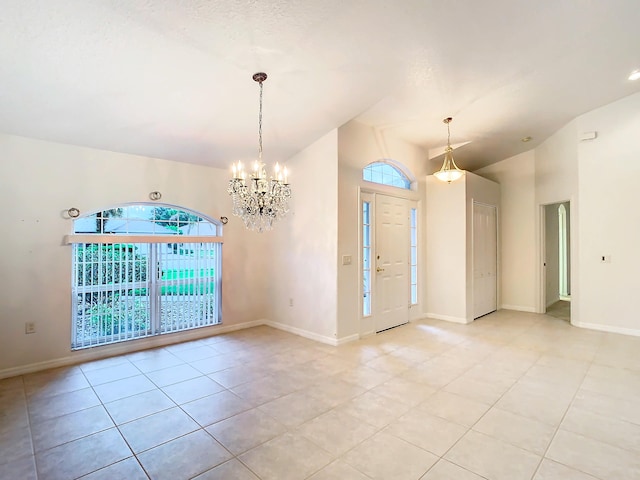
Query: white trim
column 400, row 167
column 311, row 335
column 347, row 339
column 448, row 318
column 118, row 238
column 518, row 308
column 123, row 348
column 87, row 355
column 608, row 328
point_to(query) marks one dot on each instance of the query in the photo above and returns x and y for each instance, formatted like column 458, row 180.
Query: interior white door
column 485, row 259
column 392, row 262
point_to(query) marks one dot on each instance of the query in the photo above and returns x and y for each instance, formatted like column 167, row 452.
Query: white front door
column 391, row 261
column 485, row 259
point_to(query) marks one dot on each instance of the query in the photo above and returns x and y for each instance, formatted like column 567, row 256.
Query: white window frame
column 398, row 179
column 199, row 271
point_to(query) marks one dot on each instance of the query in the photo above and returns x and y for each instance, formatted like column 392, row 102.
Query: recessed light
column 635, row 75
column 526, row 139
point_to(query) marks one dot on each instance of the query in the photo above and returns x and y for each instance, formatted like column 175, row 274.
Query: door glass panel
column 111, row 298
column 366, row 258
column 414, row 255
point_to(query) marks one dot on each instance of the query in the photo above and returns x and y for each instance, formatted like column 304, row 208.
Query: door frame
column 541, row 299
column 368, row 323
column 472, row 274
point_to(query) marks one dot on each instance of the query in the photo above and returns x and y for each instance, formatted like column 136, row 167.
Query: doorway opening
column 557, row 260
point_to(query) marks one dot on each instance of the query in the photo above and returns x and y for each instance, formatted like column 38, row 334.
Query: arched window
column 142, row 270
column 385, row 174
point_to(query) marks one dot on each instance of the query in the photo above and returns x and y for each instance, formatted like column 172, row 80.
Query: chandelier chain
column 260, row 126
column 260, row 200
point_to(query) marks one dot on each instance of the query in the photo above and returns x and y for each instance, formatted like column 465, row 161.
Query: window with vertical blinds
column 142, row 270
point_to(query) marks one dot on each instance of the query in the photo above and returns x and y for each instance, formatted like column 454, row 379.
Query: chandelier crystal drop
column 259, row 200
column 449, row 171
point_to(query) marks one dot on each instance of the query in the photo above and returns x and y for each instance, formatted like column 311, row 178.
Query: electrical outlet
column 291, row 302
column 29, row 327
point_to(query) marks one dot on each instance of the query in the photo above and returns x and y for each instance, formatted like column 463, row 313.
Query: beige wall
column 450, row 244
column 301, row 260
column 303, row 247
column 609, row 220
column 599, row 177
column 517, row 253
column 446, row 225
column 41, row 180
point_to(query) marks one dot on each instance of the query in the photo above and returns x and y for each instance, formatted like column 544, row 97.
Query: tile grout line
column 557, row 429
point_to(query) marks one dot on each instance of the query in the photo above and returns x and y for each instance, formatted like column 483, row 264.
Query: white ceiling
column 172, row 79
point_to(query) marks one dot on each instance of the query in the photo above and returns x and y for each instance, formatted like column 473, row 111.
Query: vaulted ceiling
column 172, row 79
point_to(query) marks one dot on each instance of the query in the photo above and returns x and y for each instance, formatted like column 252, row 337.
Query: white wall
column 556, row 166
column 599, row 177
column 517, row 252
column 446, row 259
column 609, row 181
column 41, row 180
column 303, row 258
column 556, row 173
column 450, row 243
column 359, row 145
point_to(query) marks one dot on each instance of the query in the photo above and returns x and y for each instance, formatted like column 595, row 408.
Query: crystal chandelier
column 258, row 200
column 449, row 171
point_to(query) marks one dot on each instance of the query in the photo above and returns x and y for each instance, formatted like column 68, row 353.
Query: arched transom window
column 142, row 270
column 385, row 174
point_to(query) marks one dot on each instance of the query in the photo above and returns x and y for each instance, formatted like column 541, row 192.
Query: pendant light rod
column 448, row 121
column 449, row 171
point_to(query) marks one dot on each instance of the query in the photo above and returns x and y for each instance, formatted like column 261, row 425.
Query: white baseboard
column 347, row 339
column 518, row 308
column 448, row 318
column 311, row 335
column 608, row 328
column 88, row 355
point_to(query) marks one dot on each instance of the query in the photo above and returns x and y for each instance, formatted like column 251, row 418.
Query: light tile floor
column 512, row 396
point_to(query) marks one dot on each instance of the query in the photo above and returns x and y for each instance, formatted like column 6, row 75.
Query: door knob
column 379, row 269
